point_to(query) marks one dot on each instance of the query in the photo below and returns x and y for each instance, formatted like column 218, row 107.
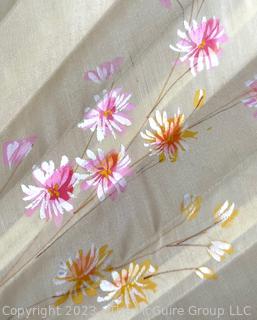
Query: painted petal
column 122, row 120
column 81, row 162
column 107, row 286
column 67, row 206
column 199, row 98
column 15, row 151
column 39, row 175
column 64, row 161
column 91, row 155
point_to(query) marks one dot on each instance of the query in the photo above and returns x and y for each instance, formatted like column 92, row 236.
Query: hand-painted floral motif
column 206, row 273
column 218, row 249
column 16, row 150
column 166, row 3
column 127, row 289
column 251, row 99
column 106, row 172
column 225, row 213
column 199, row 98
column 109, row 115
column 200, row 44
column 104, row 71
column 168, row 135
column 191, row 205
column 53, row 191
column 83, row 273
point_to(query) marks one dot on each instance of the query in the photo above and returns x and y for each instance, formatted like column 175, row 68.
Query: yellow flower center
column 202, row 44
column 54, row 191
column 106, row 172
column 107, row 113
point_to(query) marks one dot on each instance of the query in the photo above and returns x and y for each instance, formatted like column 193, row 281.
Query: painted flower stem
column 198, row 12
column 177, row 243
column 85, row 149
column 160, row 97
column 170, row 271
column 9, row 179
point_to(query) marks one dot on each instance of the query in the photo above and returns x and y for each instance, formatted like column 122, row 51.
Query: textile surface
column 46, row 45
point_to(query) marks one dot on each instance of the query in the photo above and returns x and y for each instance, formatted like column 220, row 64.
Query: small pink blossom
column 16, row 150
column 166, row 3
column 105, row 172
column 104, row 71
column 109, row 115
column 53, row 191
column 200, row 44
column 251, row 99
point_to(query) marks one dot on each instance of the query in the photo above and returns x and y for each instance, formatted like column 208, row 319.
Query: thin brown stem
column 182, row 8
column 136, row 256
column 179, row 242
column 169, row 88
column 159, row 99
column 9, row 179
column 85, row 149
column 197, row 14
column 140, row 160
column 197, row 245
column 141, row 171
column 169, row 271
column 56, row 236
column 212, row 115
column 191, row 12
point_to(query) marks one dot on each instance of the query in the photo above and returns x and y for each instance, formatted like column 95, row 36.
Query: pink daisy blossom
column 166, row 3
column 106, row 172
column 109, row 114
column 16, row 150
column 104, row 71
column 251, row 100
column 53, row 191
column 200, row 44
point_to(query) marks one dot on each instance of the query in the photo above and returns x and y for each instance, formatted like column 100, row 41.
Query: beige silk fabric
column 45, row 47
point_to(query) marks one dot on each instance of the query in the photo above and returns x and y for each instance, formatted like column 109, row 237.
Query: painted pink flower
column 105, row 172
column 53, row 191
column 166, row 3
column 104, row 71
column 109, row 115
column 200, row 44
column 16, row 150
column 251, row 99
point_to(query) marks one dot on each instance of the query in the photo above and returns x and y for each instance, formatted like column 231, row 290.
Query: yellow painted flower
column 191, row 205
column 206, row 273
column 218, row 249
column 127, row 289
column 225, row 213
column 82, row 274
column 168, row 135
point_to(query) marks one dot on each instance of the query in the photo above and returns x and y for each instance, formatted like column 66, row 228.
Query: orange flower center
column 107, row 113
column 202, row 44
column 54, row 191
column 106, row 172
column 172, row 136
column 107, row 166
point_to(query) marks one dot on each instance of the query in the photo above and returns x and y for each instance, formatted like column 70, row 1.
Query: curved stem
column 199, row 9
column 85, row 149
column 169, row 271
column 136, row 257
column 9, row 179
